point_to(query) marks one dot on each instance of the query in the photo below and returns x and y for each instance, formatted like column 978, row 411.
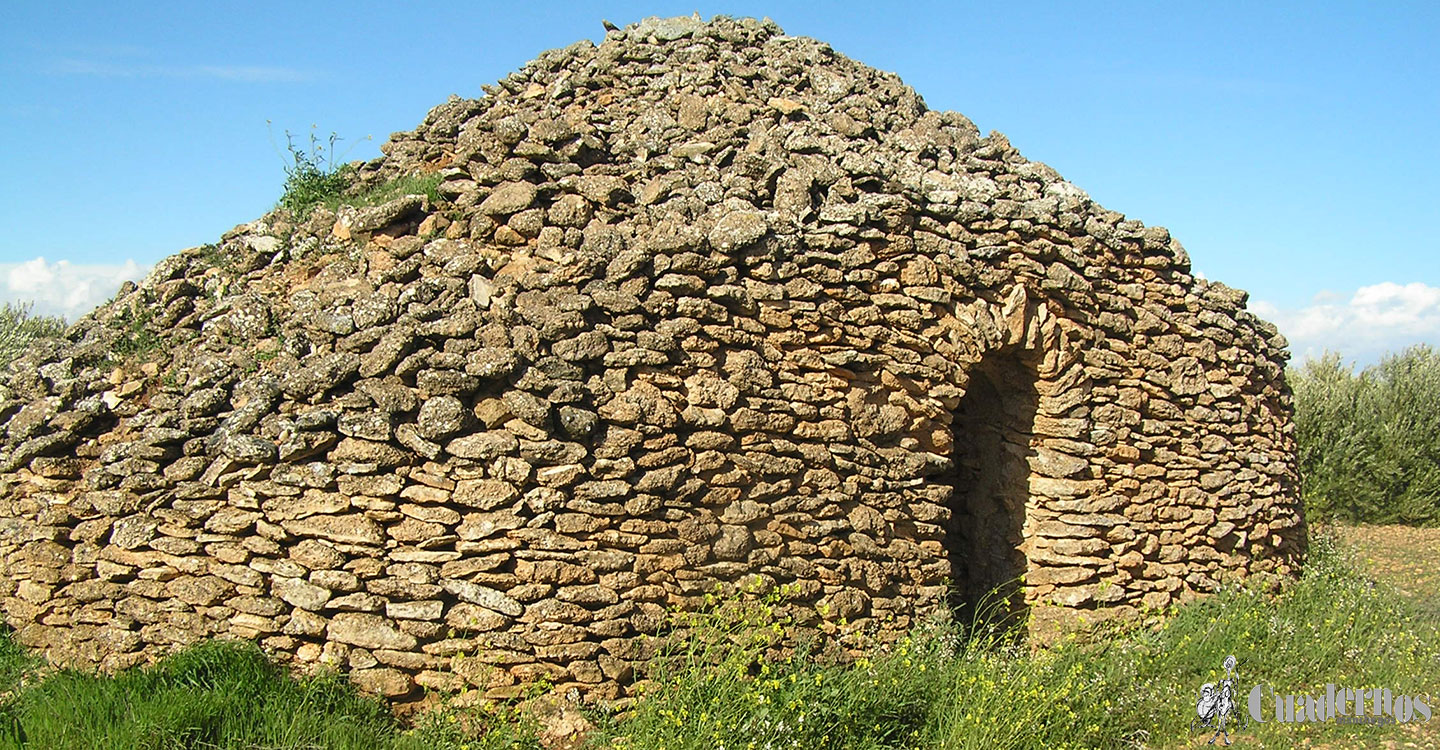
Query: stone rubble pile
column 698, row 307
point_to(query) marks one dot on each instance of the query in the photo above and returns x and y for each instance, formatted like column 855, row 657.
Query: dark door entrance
column 993, row 426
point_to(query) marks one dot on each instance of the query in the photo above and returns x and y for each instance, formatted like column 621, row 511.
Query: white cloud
column 242, row 73
column 63, row 288
column 1372, row 321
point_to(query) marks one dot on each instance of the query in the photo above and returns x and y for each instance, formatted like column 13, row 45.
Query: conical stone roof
column 702, row 306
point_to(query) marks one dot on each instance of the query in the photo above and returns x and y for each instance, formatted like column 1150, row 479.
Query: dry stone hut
column 702, row 305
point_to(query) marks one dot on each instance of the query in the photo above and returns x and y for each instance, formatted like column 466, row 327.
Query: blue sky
column 1290, row 146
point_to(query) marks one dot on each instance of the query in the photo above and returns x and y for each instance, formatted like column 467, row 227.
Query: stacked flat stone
column 697, row 309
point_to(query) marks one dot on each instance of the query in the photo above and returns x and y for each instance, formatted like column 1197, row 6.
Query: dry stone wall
column 704, row 305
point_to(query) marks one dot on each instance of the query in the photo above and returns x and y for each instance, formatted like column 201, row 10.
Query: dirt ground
column 1405, row 557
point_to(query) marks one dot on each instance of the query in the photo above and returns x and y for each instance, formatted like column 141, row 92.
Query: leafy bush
column 135, row 335
column 18, row 328
column 1369, row 444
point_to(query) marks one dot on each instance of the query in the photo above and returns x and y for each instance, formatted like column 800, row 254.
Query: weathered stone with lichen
column 704, row 305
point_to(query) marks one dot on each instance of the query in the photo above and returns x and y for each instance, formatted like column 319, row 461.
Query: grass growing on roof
column 427, row 185
column 315, row 176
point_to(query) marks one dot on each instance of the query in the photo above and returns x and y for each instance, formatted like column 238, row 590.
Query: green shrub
column 18, row 328
column 1369, row 444
column 313, row 176
column 133, row 337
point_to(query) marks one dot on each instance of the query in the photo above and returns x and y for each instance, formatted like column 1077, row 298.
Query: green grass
column 334, row 190
column 415, row 184
column 217, row 694
column 1130, row 688
column 18, row 328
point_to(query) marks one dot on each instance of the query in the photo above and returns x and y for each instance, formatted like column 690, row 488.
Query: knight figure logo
column 1217, row 704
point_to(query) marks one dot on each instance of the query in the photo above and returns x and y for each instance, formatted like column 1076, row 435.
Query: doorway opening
column 993, row 426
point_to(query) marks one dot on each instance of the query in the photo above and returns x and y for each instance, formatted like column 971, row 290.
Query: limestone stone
column 509, row 198
column 570, row 211
column 310, row 503
column 133, row 531
column 484, row 445
column 738, row 229
column 352, row 529
column 474, row 593
column 563, row 725
column 418, row 610
column 199, row 591
column 471, row 618
column 441, row 417
column 387, row 683
column 316, row 555
column 336, row 580
column 368, row 631
column 361, row 601
column 376, row 217
column 299, row 593
column 355, row 450
column 484, row 494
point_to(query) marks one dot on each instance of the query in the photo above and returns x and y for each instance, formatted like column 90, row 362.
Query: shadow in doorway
column 993, row 426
